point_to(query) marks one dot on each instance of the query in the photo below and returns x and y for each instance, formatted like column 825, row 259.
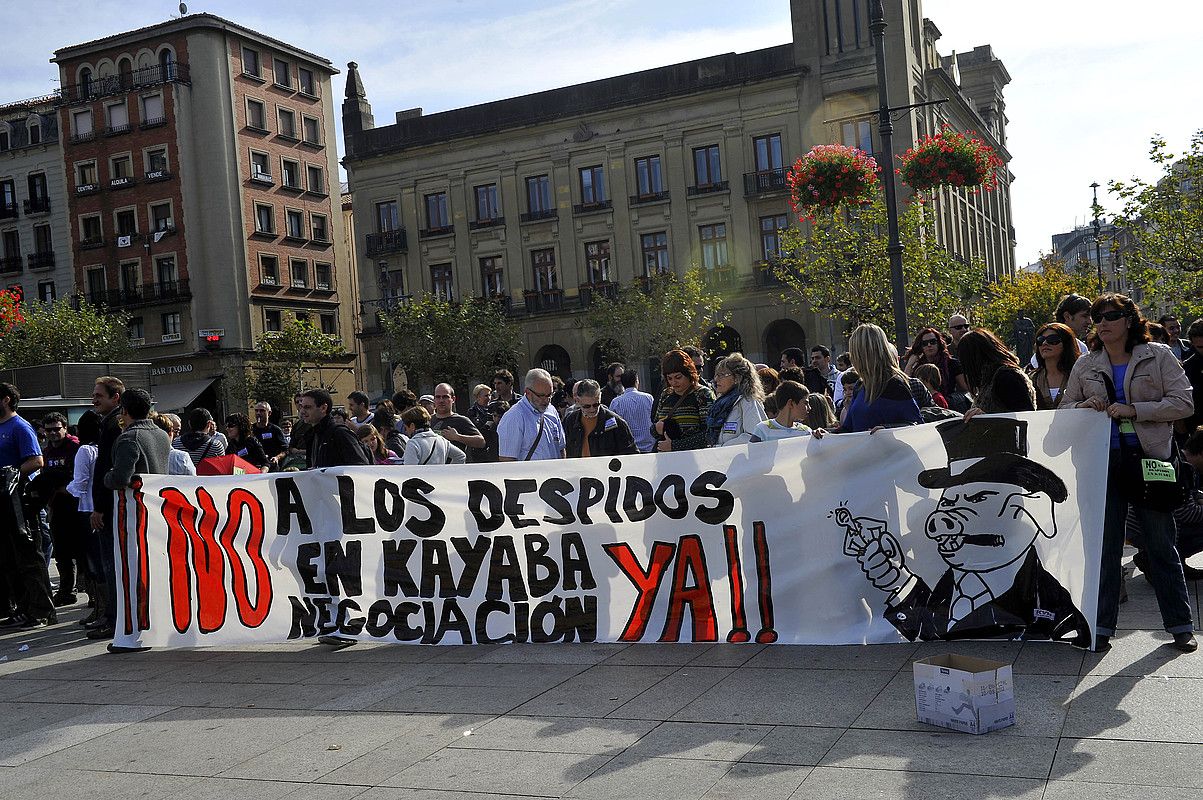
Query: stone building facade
column 35, row 249
column 200, row 160
column 545, row 201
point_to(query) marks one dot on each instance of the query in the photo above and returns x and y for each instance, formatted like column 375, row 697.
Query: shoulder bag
column 1147, row 482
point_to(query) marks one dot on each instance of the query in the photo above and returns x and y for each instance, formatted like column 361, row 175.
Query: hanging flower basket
column 831, row 174
column 10, row 311
column 950, row 158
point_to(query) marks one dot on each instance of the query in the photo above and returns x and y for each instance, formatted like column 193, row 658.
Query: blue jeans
column 1165, row 567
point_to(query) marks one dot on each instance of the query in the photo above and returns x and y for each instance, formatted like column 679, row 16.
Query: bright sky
column 1092, row 80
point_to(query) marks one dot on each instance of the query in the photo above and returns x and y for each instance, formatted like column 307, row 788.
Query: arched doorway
column 719, row 342
column 555, row 359
column 779, row 335
column 603, row 353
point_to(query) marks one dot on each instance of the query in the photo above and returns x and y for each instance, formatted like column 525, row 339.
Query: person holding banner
column 739, row 408
column 791, row 399
column 531, row 430
column 683, row 408
column 1143, row 389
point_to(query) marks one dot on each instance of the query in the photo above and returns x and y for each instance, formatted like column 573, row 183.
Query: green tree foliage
column 53, row 333
column 1161, row 229
column 841, row 268
column 651, row 316
column 456, row 342
column 1034, row 294
column 278, row 367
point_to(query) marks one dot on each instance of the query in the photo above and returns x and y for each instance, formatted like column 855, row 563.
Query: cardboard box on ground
column 971, row 695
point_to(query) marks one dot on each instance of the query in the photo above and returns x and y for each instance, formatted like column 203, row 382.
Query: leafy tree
column 50, row 333
column 651, row 316
column 1034, row 294
column 1161, row 228
column 841, row 268
column 278, row 366
column 456, row 342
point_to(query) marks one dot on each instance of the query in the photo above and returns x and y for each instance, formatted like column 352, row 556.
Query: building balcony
column 153, row 122
column 11, row 265
column 86, row 188
column 9, row 212
column 173, row 72
column 720, row 277
column 504, row 301
column 764, row 273
column 263, row 177
column 116, row 130
column 121, row 183
column 707, row 188
column 80, row 138
column 147, row 294
column 156, row 175
column 592, row 208
column 41, row 260
column 387, row 242
column 431, row 233
column 543, row 300
column 546, row 215
column 91, row 243
column 647, row 199
column 764, row 182
column 597, row 290
column 37, row 205
column 490, row 222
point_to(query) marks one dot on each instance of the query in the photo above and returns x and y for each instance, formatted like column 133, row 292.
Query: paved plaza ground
column 588, row 721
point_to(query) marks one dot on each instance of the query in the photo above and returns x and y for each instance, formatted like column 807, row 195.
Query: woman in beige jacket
column 1151, row 392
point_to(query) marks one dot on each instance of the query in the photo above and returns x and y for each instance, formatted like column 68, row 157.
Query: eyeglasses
column 588, row 406
column 723, row 374
column 540, row 395
column 962, row 327
column 930, row 342
column 1050, row 338
column 54, row 429
column 1109, row 316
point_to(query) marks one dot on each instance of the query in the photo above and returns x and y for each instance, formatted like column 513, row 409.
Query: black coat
column 1036, row 606
column 334, row 445
column 110, row 429
column 611, row 436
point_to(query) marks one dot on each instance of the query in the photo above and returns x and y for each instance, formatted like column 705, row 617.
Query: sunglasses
column 1109, row 316
column 539, row 394
column 964, row 327
column 588, row 406
column 930, row 342
column 1051, row 338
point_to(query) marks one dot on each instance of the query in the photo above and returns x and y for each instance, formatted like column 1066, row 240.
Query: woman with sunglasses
column 929, row 347
column 1056, row 352
column 1142, row 388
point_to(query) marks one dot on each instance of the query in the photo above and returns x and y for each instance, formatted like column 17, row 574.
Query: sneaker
column 337, row 642
column 34, row 622
column 88, row 621
column 1102, row 643
column 61, row 600
column 103, row 632
column 1185, row 642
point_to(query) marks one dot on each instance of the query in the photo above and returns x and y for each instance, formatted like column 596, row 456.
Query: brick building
column 545, row 200
column 199, row 162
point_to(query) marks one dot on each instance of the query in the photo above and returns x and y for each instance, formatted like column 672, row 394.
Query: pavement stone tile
column 35, row 782
column 398, row 793
column 945, row 753
column 20, row 688
column 595, row 692
column 577, row 653
column 708, row 741
column 838, row 783
column 498, row 674
column 1135, row 763
column 1041, row 704
column 671, row 694
column 1070, row 790
column 660, row 778
column 761, row 781
column 204, row 694
column 457, row 699
column 889, row 657
column 417, row 736
column 1140, row 653
column 1048, row 658
column 588, row 736
column 499, row 771
column 791, row 744
column 651, row 654
column 1149, row 709
column 225, row 789
column 727, row 655
column 101, row 692
column 88, row 723
column 787, row 697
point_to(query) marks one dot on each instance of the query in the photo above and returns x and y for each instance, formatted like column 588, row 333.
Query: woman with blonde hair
column 883, row 398
column 739, row 408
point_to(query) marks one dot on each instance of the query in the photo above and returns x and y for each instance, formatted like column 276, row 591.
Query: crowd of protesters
column 1101, row 354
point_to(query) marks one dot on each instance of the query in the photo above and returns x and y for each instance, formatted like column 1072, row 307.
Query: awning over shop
column 178, row 396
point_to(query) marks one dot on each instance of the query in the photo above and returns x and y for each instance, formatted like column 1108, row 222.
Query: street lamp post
column 1098, row 244
column 877, row 29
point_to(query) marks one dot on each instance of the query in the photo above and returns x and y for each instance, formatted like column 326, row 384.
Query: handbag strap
column 538, row 438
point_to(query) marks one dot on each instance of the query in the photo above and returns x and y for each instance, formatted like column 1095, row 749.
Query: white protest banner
column 983, row 529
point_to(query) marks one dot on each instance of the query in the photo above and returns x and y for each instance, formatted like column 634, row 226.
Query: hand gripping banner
column 983, row 529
